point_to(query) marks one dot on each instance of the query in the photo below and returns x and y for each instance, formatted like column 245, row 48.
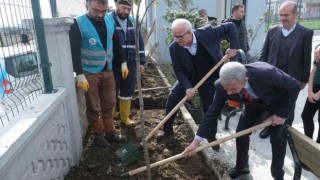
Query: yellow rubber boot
column 125, row 106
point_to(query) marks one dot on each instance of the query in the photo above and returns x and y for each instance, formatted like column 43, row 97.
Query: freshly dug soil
column 102, row 163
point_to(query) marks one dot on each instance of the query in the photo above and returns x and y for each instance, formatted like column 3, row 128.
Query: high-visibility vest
column 93, row 55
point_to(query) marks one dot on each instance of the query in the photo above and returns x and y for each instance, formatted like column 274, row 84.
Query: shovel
column 179, row 156
column 130, row 152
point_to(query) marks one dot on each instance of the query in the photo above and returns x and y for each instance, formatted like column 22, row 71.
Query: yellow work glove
column 124, row 70
column 82, row 83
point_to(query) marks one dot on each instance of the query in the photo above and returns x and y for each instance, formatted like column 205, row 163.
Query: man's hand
column 190, row 93
column 311, row 98
column 82, row 83
column 141, row 69
column 231, row 52
column 276, row 120
column 316, row 96
column 124, row 70
column 190, row 150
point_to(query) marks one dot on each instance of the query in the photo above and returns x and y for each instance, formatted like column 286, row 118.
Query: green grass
column 311, row 24
column 314, row 24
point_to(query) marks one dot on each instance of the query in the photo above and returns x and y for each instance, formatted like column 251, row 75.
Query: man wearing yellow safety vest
column 93, row 43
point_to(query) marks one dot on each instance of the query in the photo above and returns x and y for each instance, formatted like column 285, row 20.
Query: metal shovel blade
column 135, row 156
column 129, row 153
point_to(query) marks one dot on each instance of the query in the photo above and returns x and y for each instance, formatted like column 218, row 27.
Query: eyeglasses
column 97, row 11
column 180, row 36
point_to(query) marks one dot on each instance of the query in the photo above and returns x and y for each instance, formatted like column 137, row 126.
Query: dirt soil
column 102, row 163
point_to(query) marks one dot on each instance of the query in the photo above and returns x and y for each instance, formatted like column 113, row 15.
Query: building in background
column 217, row 8
column 260, row 15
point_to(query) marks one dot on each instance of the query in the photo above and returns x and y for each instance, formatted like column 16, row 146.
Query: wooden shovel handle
column 179, row 156
column 225, row 58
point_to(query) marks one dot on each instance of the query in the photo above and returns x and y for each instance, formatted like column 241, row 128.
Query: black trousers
column 250, row 117
column 308, row 113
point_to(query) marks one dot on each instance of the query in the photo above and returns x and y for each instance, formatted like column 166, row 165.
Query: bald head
column 288, row 14
column 289, row 5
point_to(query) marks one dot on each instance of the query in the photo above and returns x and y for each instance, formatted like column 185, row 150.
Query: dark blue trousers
column 125, row 86
column 250, row 117
column 177, row 93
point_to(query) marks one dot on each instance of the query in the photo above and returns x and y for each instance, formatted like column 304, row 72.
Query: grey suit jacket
column 299, row 54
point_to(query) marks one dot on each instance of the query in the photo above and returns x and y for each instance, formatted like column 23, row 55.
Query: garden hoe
column 131, row 152
column 200, row 148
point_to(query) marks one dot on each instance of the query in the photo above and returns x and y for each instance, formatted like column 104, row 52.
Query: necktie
column 246, row 96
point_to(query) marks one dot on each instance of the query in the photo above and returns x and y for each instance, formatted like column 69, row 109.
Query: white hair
column 232, row 71
column 182, row 22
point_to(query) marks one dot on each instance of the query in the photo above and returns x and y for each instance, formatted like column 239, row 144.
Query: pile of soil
column 102, row 163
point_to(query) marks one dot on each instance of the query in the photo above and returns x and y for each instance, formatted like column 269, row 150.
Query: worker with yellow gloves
column 93, row 45
column 125, row 28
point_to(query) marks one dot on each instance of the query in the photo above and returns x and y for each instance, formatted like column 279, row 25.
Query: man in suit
column 268, row 89
column 288, row 46
column 193, row 54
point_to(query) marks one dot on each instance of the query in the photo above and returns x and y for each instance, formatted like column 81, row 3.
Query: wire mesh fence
column 20, row 78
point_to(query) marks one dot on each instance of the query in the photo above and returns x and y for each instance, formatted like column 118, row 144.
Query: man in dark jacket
column 125, row 29
column 205, row 19
column 288, row 47
column 193, row 54
column 238, row 13
column 261, row 87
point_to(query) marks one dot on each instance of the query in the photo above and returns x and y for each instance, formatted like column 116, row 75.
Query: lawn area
column 313, row 24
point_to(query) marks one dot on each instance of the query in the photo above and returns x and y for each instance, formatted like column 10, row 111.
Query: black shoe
column 234, row 173
column 227, row 109
column 164, row 134
column 216, row 147
column 114, row 138
column 100, row 141
column 265, row 133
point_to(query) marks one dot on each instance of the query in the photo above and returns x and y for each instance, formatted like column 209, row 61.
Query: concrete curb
column 208, row 153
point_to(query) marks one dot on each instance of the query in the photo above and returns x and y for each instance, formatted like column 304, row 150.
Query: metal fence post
column 45, row 65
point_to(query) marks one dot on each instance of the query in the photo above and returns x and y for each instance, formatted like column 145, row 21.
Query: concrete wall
column 45, row 140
